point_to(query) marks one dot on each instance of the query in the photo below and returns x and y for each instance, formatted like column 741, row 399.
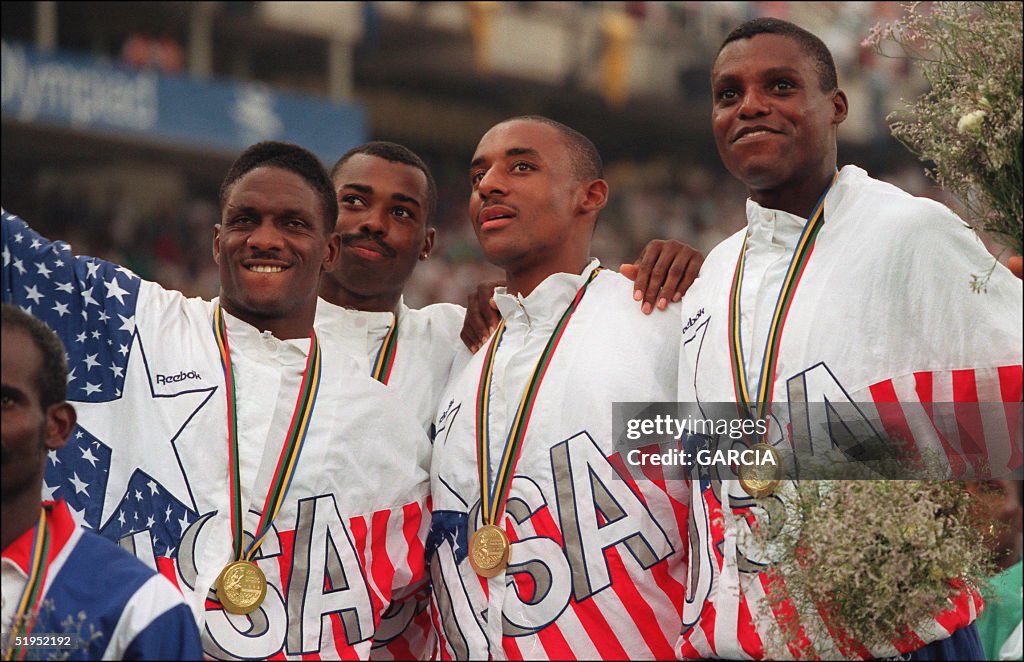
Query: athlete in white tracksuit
column 346, row 543
column 597, row 557
column 883, row 313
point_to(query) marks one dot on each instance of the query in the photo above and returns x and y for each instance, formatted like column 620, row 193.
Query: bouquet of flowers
column 872, row 558
column 968, row 124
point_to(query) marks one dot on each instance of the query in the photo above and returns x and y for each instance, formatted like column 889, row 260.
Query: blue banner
column 77, row 92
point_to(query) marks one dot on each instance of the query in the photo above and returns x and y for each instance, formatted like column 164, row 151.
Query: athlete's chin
column 759, row 170
column 504, row 254
column 368, row 278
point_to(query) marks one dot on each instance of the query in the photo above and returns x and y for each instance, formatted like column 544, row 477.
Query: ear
column 595, row 196
column 333, row 253
column 428, row 243
column 60, row 419
column 216, row 243
column 840, row 106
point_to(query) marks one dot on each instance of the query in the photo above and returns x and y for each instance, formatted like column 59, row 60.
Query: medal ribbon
column 386, row 355
column 28, row 603
column 797, row 264
column 290, row 452
column 492, row 500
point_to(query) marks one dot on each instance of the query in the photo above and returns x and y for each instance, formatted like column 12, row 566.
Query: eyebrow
column 514, row 151
column 780, row 71
column 401, row 197
column 368, row 190
column 767, row 73
column 249, row 209
column 362, row 188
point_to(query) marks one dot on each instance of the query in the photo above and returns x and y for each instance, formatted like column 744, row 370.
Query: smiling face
column 774, row 126
column 271, row 245
column 532, row 214
column 382, row 220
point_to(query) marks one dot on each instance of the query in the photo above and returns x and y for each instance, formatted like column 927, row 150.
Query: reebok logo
column 180, row 377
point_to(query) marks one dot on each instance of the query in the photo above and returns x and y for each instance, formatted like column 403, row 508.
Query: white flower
column 971, row 122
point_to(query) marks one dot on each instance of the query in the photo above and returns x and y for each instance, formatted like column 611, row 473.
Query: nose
column 492, row 183
column 754, row 104
column 265, row 236
column 375, row 221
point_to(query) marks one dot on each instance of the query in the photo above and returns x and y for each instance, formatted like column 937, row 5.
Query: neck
column 283, row 328
column 18, row 514
column 799, row 198
column 333, row 291
column 525, row 281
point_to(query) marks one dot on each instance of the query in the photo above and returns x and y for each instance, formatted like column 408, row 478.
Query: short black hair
column 811, row 45
column 394, row 153
column 585, row 159
column 286, row 156
column 52, row 379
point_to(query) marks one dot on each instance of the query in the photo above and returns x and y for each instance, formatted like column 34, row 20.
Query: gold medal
column 763, row 478
column 241, row 587
column 488, row 550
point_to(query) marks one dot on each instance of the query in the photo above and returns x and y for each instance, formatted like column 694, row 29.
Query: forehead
column 270, row 190
column 505, row 139
column 760, row 53
column 21, row 358
column 382, row 175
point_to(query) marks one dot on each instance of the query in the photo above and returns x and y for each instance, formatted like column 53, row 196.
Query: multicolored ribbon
column 386, row 355
column 493, row 497
column 797, row 264
column 290, row 452
column 28, row 603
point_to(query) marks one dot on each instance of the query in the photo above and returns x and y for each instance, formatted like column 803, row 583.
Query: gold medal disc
column 241, row 587
column 761, row 480
column 488, row 550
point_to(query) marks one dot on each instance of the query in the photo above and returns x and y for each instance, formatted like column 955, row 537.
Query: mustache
column 263, row 255
column 348, row 239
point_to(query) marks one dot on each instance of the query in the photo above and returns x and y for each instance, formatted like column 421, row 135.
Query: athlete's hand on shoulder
column 481, row 315
column 1016, row 265
column 664, row 271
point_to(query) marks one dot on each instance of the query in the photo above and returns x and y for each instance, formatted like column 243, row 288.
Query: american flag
column 91, row 305
column 123, row 472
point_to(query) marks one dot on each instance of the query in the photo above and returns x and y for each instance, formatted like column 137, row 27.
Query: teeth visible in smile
column 754, row 133
column 265, row 269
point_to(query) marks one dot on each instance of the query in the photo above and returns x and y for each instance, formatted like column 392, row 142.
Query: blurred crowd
column 651, row 200
column 696, row 202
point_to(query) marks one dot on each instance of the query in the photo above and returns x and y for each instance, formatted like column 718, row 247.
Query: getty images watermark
column 667, row 427
column 819, row 440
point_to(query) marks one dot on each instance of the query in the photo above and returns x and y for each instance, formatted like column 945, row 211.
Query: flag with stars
column 147, row 465
column 91, row 305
